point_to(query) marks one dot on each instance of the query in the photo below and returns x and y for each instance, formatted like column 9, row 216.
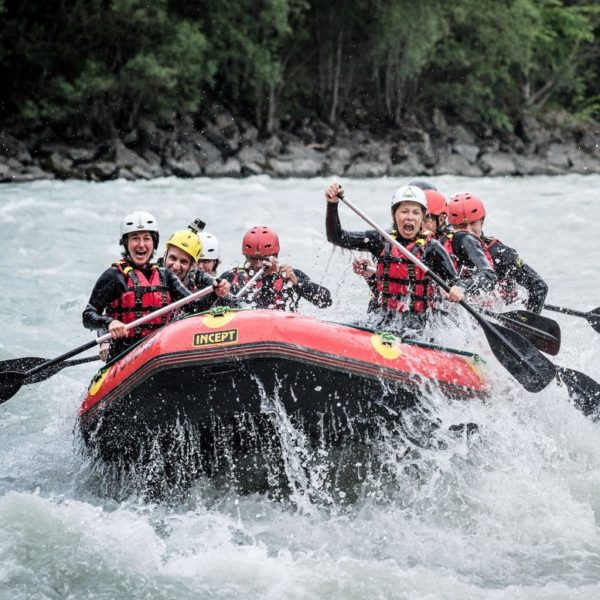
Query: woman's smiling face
column 140, row 247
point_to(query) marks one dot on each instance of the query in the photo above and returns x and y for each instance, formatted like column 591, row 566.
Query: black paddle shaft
column 593, row 317
column 11, row 381
column 61, row 358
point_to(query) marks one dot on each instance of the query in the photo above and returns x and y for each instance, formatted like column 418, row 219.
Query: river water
column 512, row 513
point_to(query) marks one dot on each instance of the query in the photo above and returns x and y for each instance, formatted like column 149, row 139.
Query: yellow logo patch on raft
column 98, row 381
column 473, row 362
column 227, row 336
column 387, row 345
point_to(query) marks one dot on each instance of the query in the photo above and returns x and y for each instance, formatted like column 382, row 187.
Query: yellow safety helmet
column 187, row 241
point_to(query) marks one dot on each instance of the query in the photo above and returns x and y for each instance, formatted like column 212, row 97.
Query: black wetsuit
column 510, row 269
column 286, row 298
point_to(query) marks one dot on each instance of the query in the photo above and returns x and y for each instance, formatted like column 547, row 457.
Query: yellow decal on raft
column 216, row 321
column 97, row 382
column 473, row 364
column 387, row 345
column 227, row 336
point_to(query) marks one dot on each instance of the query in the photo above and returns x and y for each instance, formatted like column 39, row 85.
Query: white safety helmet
column 409, row 193
column 211, row 249
column 139, row 221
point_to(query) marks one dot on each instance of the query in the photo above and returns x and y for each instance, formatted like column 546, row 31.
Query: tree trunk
column 258, row 113
column 336, row 80
column 272, row 109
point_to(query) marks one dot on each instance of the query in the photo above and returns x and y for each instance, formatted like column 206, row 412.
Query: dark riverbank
column 227, row 146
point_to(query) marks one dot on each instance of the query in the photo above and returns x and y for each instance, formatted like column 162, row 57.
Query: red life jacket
column 506, row 287
column 402, row 286
column 143, row 297
column 446, row 241
column 276, row 301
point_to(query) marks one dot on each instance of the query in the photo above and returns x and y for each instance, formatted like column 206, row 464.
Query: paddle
column 29, row 362
column 528, row 366
column 593, row 317
column 251, row 282
column 583, row 389
column 540, row 331
column 11, row 381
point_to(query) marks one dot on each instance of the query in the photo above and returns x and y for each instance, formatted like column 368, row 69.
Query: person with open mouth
column 405, row 294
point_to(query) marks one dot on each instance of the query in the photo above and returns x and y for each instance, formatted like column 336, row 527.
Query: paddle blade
column 30, row 362
column 21, row 364
column 10, row 384
column 528, row 366
column 584, row 390
column 593, row 318
column 542, row 332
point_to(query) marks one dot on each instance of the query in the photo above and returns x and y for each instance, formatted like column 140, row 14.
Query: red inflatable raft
column 219, row 373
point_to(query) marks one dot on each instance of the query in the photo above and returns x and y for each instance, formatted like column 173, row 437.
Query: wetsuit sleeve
column 108, row 288
column 438, row 260
column 536, row 287
column 176, row 288
column 369, row 240
column 235, row 287
column 229, row 300
column 228, row 276
column 313, row 292
column 468, row 251
column 203, row 280
column 510, row 266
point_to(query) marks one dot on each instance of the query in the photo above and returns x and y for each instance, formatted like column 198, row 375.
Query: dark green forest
column 109, row 63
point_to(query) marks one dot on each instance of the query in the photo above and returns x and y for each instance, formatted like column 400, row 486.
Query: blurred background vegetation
column 378, row 63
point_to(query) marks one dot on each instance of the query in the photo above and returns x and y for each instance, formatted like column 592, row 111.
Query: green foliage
column 589, row 109
column 562, row 45
column 249, row 39
column 406, row 34
column 110, row 62
column 477, row 64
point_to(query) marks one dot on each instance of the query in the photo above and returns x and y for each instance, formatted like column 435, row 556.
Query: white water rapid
column 513, row 512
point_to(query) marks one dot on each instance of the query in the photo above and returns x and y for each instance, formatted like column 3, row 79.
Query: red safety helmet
column 464, row 208
column 436, row 203
column 260, row 241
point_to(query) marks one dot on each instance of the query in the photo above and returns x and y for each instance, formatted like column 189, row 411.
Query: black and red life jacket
column 465, row 271
column 276, row 299
column 402, row 286
column 143, row 297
